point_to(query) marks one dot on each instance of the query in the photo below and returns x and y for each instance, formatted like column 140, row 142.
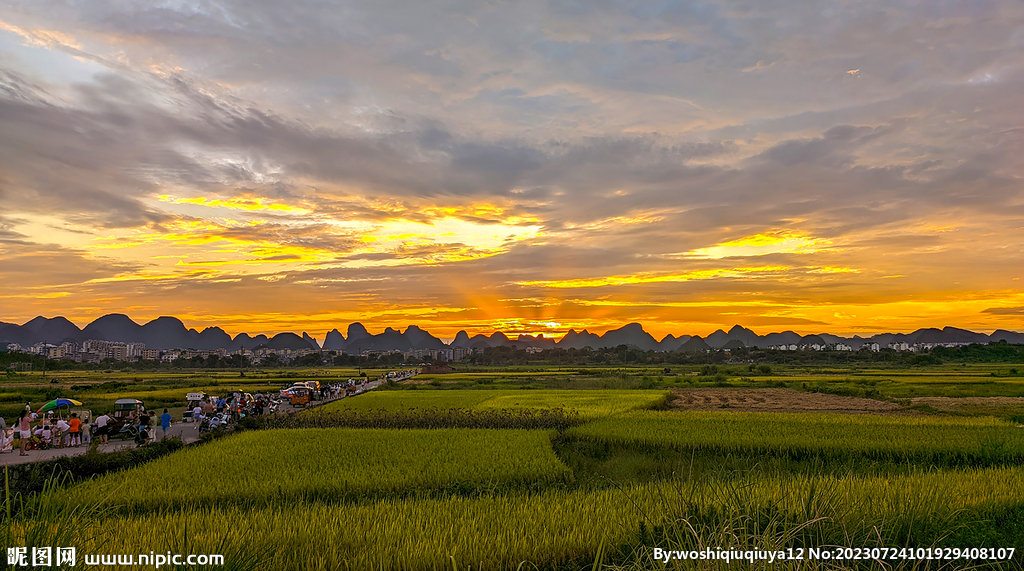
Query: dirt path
column 777, row 400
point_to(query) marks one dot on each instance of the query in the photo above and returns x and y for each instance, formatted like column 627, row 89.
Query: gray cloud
column 702, row 122
column 1005, row 310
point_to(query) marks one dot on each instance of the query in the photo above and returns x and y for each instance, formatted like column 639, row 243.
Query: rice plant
column 588, row 403
column 951, row 441
column 567, row 529
column 335, row 465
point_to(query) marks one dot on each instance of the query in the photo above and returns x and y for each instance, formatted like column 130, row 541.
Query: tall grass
column 523, row 419
column 955, row 508
column 306, row 465
column 563, row 529
column 951, row 441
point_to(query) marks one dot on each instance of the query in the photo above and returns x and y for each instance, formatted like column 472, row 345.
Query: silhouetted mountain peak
column 356, row 331
column 168, row 332
column 113, row 327
column 310, row 340
column 631, row 334
column 289, row 341
column 167, row 320
column 53, row 330
column 244, row 341
column 694, row 344
column 420, row 339
column 461, row 339
column 334, row 341
column 812, row 340
column 39, row 323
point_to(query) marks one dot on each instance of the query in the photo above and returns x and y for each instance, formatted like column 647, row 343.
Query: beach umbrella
column 57, row 403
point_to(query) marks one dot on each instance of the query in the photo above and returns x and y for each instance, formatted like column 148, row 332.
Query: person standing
column 75, row 430
column 144, row 422
column 86, row 433
column 25, row 426
column 165, row 423
column 102, row 428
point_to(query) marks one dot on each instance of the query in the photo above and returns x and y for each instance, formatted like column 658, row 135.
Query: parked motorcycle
column 129, row 430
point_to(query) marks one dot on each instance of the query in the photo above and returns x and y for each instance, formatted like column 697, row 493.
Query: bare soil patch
column 777, row 400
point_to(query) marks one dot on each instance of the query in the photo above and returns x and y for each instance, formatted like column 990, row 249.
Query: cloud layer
column 532, row 166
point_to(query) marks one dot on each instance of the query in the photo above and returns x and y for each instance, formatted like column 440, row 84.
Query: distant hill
column 573, row 340
column 170, row 333
column 334, row 341
column 290, row 341
column 694, row 344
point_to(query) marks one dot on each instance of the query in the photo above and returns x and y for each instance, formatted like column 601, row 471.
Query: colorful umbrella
column 57, row 403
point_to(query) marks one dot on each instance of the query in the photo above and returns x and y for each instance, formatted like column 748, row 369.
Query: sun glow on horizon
column 593, row 173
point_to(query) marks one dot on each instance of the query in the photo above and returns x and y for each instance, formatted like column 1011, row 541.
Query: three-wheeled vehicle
column 124, row 409
column 299, row 395
column 194, row 400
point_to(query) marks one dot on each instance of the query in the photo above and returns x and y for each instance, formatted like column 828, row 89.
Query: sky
column 530, row 167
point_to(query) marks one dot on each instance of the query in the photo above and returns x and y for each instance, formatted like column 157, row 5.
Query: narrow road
column 188, row 432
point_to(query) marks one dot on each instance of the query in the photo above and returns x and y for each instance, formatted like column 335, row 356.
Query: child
column 86, row 433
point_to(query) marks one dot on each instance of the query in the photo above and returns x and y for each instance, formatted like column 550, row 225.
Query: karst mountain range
column 171, row 333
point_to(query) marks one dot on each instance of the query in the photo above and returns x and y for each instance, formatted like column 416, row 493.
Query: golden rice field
column 304, row 465
column 486, row 499
column 559, row 529
column 890, row 438
column 589, row 403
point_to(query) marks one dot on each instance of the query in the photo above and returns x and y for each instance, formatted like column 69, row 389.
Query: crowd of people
column 343, row 388
column 213, row 411
column 38, row 431
column 33, row 430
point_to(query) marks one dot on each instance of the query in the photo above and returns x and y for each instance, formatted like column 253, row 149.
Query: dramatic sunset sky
column 525, row 166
